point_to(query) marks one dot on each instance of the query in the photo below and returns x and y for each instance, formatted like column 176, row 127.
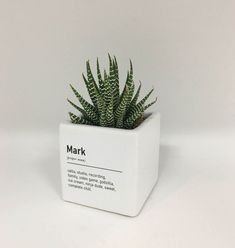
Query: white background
column 186, row 50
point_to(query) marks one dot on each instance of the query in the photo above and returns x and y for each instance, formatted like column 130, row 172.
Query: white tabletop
column 192, row 206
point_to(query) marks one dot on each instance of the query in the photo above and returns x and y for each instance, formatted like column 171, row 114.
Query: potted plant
column 109, row 151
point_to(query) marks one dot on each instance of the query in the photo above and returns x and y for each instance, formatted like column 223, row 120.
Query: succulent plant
column 110, row 107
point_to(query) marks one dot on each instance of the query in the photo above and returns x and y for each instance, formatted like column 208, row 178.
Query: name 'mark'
column 74, row 150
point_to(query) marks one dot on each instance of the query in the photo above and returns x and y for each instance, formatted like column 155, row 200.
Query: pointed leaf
column 121, row 109
column 102, row 112
column 107, row 89
column 147, row 96
column 90, row 117
column 135, row 98
column 90, row 109
column 150, row 104
column 78, row 120
column 140, row 103
column 91, row 85
column 110, row 114
column 117, row 93
column 129, row 84
column 137, row 113
column 100, row 80
column 113, row 80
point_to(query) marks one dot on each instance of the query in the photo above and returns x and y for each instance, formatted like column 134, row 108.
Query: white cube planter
column 108, row 168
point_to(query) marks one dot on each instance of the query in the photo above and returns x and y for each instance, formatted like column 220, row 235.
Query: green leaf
column 78, row 120
column 82, row 111
column 140, row 103
column 102, row 112
column 146, row 97
column 110, row 107
column 130, row 79
column 110, row 115
column 135, row 98
column 90, row 109
column 137, row 113
column 150, row 104
column 117, row 93
column 113, row 80
column 121, row 109
column 107, row 89
column 91, row 85
column 129, row 84
column 92, row 118
column 130, row 94
column 100, row 80
column 125, row 98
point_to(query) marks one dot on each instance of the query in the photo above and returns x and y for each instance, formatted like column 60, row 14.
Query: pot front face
column 108, row 168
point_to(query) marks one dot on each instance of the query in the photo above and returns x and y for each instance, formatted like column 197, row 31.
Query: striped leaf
column 125, row 98
column 92, row 118
column 78, row 120
column 117, row 93
column 113, row 80
column 102, row 111
column 107, row 89
column 130, row 78
column 137, row 113
column 146, row 97
column 129, row 83
column 150, row 104
column 121, row 109
column 100, row 80
column 135, row 98
column 110, row 115
column 89, row 109
column 130, row 94
column 141, row 103
column 110, row 107
column 91, row 85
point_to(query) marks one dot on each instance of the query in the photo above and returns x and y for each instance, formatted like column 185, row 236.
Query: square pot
column 109, row 168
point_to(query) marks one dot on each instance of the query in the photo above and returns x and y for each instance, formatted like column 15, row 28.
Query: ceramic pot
column 109, row 168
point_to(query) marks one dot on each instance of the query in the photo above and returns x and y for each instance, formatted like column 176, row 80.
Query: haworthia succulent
column 102, row 111
column 129, row 84
column 78, row 119
column 130, row 94
column 91, row 117
column 100, row 80
column 107, row 89
column 109, row 114
column 113, row 80
column 91, row 85
column 131, row 119
column 117, row 91
column 135, row 98
column 140, row 103
column 150, row 104
column 111, row 73
column 146, row 97
column 121, row 109
column 90, row 109
column 109, row 107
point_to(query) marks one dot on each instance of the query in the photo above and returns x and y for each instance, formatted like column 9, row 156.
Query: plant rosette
column 109, row 153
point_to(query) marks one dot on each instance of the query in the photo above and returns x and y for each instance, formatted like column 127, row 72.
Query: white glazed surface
column 128, row 159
